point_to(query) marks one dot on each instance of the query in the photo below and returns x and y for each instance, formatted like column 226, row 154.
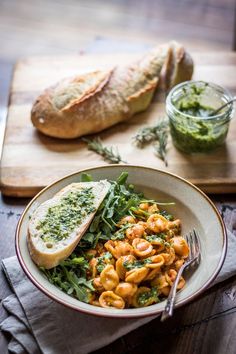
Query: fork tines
column 193, row 242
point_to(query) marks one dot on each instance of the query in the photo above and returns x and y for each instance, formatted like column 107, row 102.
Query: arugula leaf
column 94, row 225
column 122, row 178
column 86, row 177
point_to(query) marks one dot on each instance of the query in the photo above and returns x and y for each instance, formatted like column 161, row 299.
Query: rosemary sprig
column 147, row 135
column 160, row 146
column 107, row 153
column 157, row 133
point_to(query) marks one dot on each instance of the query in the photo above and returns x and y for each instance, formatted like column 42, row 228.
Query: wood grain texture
column 31, row 27
column 30, row 160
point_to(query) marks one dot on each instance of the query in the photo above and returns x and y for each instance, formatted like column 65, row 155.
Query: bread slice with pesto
column 57, row 225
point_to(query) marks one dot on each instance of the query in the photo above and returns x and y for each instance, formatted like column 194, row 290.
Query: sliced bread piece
column 57, row 225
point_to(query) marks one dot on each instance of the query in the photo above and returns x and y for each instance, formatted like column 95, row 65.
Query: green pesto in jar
column 64, row 218
column 191, row 104
column 192, row 131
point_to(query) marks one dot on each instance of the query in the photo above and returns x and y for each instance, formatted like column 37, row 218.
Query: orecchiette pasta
column 144, row 206
column 152, row 273
column 110, row 299
column 126, row 290
column 98, row 284
column 179, row 263
column 109, row 277
column 93, row 267
column 180, row 246
column 135, row 231
column 159, row 281
column 118, row 248
column 138, row 265
column 142, row 248
column 120, row 268
column 143, row 297
column 156, row 262
column 136, row 275
column 169, row 256
column 157, row 223
column 127, row 220
column 170, row 277
column 153, row 209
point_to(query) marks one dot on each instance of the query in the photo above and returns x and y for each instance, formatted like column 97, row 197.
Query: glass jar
column 189, row 106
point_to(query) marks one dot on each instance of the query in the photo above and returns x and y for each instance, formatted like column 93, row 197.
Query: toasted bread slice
column 57, row 225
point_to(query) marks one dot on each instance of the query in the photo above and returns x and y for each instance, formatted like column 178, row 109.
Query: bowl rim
column 120, row 314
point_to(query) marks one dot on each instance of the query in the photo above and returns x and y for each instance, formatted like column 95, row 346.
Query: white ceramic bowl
column 192, row 206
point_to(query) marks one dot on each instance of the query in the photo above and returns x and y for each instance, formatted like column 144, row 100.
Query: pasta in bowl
column 129, row 256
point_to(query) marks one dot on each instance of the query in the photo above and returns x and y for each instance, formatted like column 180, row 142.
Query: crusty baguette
column 178, row 66
column 48, row 252
column 92, row 102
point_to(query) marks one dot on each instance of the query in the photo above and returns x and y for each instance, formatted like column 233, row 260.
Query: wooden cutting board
column 30, row 160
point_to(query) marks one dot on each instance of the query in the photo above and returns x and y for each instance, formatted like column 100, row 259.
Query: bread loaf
column 57, row 225
column 92, row 102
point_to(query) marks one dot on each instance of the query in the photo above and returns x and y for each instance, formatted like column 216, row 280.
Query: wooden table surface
column 207, row 325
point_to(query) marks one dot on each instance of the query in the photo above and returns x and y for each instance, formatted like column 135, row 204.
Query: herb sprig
column 109, row 154
column 149, row 134
column 160, row 147
column 157, row 133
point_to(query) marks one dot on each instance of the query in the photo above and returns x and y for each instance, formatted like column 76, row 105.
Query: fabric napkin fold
column 38, row 325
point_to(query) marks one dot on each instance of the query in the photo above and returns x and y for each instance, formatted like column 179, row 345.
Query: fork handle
column 168, row 311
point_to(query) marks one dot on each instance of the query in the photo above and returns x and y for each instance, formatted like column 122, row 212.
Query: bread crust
column 48, row 257
column 92, row 102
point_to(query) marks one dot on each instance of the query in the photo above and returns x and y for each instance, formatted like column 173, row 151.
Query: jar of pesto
column 189, row 107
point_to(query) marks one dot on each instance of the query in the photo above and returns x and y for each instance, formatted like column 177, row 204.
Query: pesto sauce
column 62, row 219
column 103, row 261
column 190, row 134
column 148, row 296
column 137, row 263
column 201, row 138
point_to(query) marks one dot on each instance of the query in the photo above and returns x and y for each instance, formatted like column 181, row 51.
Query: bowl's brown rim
column 120, row 314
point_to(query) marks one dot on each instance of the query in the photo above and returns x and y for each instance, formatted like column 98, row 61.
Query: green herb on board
column 161, row 146
column 149, row 134
column 158, row 134
column 109, row 154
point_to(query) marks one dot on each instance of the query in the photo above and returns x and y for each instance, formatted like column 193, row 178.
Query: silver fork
column 193, row 242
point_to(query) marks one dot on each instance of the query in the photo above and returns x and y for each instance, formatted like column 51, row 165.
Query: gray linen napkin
column 39, row 325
